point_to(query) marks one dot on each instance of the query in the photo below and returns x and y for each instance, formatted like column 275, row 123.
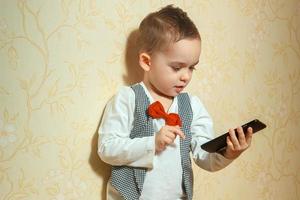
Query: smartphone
column 219, row 143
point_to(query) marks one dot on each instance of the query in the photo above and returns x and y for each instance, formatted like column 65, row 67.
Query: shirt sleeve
column 202, row 131
column 115, row 147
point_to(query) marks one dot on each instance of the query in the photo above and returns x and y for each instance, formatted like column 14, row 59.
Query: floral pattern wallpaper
column 62, row 60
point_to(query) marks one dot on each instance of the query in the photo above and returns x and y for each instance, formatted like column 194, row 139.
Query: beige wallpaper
column 62, row 60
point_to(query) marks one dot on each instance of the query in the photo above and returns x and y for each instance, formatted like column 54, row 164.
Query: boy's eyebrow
column 182, row 63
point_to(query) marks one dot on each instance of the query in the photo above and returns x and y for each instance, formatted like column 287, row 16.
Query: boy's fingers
column 249, row 135
column 241, row 135
column 229, row 143
column 176, row 130
column 168, row 141
column 234, row 139
column 180, row 133
column 171, row 135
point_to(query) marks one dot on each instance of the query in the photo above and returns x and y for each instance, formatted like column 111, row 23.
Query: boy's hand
column 236, row 145
column 166, row 136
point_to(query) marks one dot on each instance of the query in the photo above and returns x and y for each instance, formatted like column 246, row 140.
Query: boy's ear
column 145, row 61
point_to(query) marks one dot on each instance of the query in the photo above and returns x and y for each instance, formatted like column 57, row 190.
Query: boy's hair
column 159, row 29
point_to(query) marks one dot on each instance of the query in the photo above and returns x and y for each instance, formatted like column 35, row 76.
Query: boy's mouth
column 179, row 88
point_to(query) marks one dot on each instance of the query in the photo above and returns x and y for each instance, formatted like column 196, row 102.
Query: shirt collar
column 173, row 107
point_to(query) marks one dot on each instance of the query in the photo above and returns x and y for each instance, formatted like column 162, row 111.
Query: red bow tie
column 156, row 110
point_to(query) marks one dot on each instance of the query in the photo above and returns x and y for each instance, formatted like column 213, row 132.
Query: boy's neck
column 166, row 101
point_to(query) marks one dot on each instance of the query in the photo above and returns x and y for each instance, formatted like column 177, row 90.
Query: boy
column 149, row 129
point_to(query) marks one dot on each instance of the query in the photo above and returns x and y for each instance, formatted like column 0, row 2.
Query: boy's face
column 170, row 71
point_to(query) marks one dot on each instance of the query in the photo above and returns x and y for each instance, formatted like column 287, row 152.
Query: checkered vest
column 128, row 181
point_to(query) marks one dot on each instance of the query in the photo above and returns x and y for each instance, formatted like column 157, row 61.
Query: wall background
column 61, row 61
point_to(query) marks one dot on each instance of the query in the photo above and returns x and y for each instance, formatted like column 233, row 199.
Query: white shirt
column 163, row 179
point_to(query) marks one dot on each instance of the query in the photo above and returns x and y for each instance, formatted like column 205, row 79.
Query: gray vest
column 128, row 181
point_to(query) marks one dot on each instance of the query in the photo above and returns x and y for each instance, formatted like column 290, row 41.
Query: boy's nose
column 185, row 76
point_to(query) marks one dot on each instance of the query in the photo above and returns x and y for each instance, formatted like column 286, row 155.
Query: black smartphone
column 219, row 143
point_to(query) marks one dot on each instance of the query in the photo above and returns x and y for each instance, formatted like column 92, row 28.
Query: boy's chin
column 172, row 95
column 169, row 95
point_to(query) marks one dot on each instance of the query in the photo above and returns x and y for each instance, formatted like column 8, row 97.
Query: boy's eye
column 176, row 68
column 192, row 68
